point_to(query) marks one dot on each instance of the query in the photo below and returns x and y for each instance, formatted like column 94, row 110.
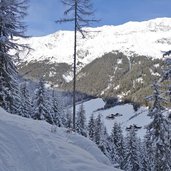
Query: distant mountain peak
column 149, row 38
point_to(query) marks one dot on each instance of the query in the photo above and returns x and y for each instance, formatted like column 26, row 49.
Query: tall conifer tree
column 131, row 162
column 117, row 140
column 158, row 133
column 11, row 14
column 42, row 108
column 25, row 108
column 81, row 121
column 91, row 128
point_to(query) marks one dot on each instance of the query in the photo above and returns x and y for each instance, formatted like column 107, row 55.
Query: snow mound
column 29, row 145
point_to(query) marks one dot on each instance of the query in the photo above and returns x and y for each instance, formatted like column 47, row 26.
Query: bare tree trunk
column 75, row 55
column 80, row 9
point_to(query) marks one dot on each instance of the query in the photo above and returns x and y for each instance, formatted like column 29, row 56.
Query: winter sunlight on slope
column 28, row 145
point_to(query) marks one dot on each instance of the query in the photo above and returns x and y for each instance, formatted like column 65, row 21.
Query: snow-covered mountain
column 111, row 60
column 148, row 38
column 29, row 145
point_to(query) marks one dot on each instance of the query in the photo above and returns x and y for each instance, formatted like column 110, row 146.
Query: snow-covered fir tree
column 167, row 76
column 25, row 108
column 11, row 15
column 100, row 134
column 156, row 100
column 141, row 155
column 158, row 133
column 98, row 129
column 131, row 162
column 148, row 158
column 68, row 119
column 81, row 121
column 42, row 108
column 57, row 110
column 169, row 120
column 91, row 128
column 104, row 144
column 97, row 132
column 117, row 146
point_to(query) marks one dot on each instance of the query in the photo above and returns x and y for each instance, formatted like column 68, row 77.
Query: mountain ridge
column 129, row 56
column 147, row 38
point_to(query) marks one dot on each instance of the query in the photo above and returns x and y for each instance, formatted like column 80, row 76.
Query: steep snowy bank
column 28, row 145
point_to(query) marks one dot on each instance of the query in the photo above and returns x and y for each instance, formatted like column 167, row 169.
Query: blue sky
column 43, row 13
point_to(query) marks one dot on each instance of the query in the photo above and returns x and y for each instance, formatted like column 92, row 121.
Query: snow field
column 125, row 120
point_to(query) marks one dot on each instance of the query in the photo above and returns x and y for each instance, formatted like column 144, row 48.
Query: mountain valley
column 112, row 61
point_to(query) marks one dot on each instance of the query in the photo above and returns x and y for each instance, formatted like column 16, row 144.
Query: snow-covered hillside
column 28, row 145
column 149, row 38
column 129, row 115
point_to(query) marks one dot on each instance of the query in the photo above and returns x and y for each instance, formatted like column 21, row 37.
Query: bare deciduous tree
column 81, row 13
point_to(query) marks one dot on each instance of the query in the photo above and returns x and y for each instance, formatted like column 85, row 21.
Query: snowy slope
column 149, row 38
column 28, row 145
column 129, row 116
